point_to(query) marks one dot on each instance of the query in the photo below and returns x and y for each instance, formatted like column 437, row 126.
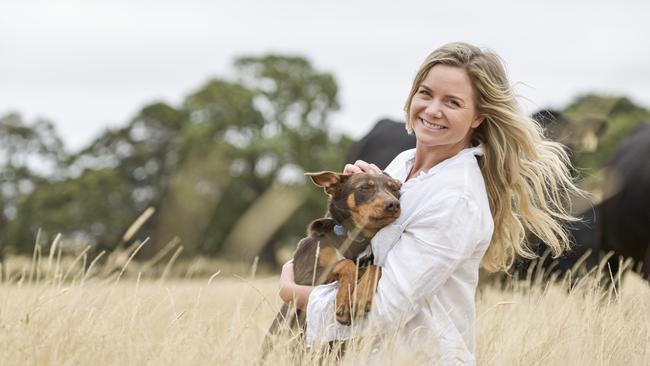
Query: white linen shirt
column 430, row 262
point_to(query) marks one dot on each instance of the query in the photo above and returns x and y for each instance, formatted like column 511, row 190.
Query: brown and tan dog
column 337, row 247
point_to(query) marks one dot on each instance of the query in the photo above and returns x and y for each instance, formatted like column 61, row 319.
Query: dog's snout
column 392, row 205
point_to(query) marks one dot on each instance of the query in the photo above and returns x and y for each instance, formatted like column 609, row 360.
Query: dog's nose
column 392, row 205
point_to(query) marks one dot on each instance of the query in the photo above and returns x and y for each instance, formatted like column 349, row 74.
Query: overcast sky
column 88, row 64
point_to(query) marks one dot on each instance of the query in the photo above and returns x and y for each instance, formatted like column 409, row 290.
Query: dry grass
column 546, row 325
column 90, row 319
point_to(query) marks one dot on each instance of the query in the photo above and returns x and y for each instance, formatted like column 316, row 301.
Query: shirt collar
column 410, row 160
column 476, row 150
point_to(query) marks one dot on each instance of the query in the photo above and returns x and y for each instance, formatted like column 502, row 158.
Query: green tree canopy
column 30, row 155
column 202, row 164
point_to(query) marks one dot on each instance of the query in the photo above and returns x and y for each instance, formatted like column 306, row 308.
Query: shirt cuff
column 322, row 326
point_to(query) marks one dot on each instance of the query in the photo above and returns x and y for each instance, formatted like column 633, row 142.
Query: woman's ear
column 477, row 121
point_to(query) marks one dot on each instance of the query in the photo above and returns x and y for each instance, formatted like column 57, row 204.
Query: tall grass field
column 61, row 311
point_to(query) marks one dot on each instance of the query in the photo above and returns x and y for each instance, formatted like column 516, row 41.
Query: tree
column 231, row 150
column 30, row 153
column 217, row 151
column 619, row 115
column 296, row 101
column 94, row 209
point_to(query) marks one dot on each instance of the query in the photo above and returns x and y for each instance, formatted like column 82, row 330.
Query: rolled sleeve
column 321, row 317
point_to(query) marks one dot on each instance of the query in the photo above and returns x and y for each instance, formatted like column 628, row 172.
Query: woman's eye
column 453, row 103
column 424, row 92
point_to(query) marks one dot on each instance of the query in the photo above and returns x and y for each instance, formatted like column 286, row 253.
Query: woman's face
column 443, row 109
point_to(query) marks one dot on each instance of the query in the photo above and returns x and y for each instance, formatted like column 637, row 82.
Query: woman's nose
column 433, row 109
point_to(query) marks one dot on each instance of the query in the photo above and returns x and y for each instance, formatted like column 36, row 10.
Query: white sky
column 88, row 64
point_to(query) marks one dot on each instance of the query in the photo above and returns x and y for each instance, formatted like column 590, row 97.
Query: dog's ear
column 328, row 180
column 320, row 227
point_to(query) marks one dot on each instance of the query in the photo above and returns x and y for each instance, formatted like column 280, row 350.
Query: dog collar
column 340, row 230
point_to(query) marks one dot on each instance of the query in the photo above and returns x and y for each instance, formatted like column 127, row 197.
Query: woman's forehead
column 449, row 80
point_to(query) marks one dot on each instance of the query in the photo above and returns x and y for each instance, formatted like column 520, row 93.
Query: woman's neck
column 428, row 157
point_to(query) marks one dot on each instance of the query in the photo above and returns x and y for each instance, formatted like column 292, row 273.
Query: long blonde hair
column 527, row 177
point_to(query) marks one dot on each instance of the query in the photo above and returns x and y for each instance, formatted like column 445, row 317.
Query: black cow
column 386, row 139
column 620, row 224
column 625, row 214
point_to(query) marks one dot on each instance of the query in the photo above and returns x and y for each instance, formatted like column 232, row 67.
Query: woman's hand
column 287, row 281
column 361, row 166
column 290, row 291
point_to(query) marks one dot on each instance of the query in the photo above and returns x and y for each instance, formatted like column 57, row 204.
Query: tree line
column 234, row 148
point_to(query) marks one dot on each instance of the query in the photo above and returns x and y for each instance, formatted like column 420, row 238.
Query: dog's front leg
column 365, row 291
column 344, row 272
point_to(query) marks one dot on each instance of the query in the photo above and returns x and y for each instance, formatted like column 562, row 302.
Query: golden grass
column 103, row 320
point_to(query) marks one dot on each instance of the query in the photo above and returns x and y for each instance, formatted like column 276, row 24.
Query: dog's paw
column 343, row 315
column 365, row 292
column 362, row 307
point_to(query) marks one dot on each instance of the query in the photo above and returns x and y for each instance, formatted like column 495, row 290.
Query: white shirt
column 430, row 262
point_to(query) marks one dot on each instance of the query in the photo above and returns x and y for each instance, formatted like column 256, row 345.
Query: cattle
column 617, row 228
column 625, row 213
column 583, row 135
column 384, row 141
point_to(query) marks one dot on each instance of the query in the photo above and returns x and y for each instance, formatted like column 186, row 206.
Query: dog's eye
column 394, row 190
column 366, row 187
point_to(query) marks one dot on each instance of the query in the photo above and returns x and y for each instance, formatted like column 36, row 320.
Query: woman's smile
column 432, row 125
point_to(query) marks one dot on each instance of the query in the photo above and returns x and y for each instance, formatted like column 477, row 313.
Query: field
column 74, row 317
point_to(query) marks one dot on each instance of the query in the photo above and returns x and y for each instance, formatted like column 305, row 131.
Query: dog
column 337, row 246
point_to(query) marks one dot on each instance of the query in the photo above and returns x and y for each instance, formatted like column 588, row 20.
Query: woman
column 481, row 177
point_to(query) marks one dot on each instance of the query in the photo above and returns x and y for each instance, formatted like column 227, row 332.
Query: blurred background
column 200, row 117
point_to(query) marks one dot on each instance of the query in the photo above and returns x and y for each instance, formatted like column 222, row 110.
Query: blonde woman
column 480, row 178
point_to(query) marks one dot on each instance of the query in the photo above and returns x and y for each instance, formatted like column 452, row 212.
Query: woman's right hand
column 290, row 291
column 287, row 281
column 361, row 166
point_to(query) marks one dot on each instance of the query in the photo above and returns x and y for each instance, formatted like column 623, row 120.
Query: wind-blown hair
column 527, row 177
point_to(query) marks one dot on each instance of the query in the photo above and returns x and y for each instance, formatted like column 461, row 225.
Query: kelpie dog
column 337, row 247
